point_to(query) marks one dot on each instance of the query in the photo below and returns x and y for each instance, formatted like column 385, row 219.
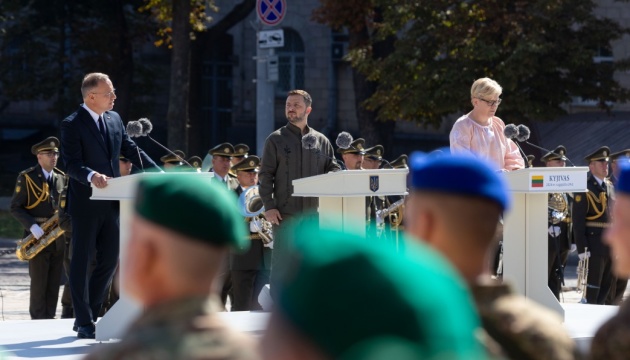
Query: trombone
column 251, row 206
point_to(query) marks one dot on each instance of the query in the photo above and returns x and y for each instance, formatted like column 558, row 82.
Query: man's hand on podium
column 273, row 216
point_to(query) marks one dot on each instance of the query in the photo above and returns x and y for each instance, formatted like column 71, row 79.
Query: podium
column 123, row 189
column 525, row 252
column 342, row 194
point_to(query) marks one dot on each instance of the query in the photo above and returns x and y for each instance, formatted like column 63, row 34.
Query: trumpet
column 251, row 206
column 582, row 280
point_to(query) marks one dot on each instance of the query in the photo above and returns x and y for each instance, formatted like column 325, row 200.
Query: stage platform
column 54, row 339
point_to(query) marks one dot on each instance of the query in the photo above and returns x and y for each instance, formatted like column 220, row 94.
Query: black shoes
column 85, row 331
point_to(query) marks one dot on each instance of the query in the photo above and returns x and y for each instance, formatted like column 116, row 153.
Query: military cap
column 458, row 175
column 623, row 183
column 620, row 154
column 190, row 205
column 249, row 164
column 556, row 154
column 356, row 147
column 225, row 149
column 172, row 159
column 600, row 154
column 380, row 278
column 123, row 158
column 400, row 162
column 195, row 161
column 375, row 152
column 49, row 144
column 241, row 150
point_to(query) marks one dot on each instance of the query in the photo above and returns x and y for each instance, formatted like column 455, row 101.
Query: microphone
column 511, row 131
column 524, row 133
column 147, row 127
column 134, row 129
column 309, row 142
column 344, row 140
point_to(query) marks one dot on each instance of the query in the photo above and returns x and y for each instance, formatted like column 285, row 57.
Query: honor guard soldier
column 171, row 161
column 372, row 161
column 373, row 157
column 612, row 340
column 173, row 272
column 400, row 162
column 241, row 151
column 590, row 218
column 618, row 287
column 380, row 308
column 467, row 191
column 196, row 162
column 125, row 165
column 35, row 201
column 353, row 156
column 221, row 156
column 559, row 225
column 250, row 271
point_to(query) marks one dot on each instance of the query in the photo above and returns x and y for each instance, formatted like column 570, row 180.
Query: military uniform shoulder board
column 27, row 170
column 60, row 172
column 232, row 175
column 578, row 198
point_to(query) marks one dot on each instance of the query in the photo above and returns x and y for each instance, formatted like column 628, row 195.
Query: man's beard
column 296, row 118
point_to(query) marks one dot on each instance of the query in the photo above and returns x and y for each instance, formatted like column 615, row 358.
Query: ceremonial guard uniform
column 196, row 162
column 35, row 200
column 353, row 155
column 170, row 161
column 250, row 270
column 559, row 226
column 590, row 219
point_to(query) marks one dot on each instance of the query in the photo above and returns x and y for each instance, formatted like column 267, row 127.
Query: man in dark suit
column 34, row 201
column 92, row 140
column 250, row 270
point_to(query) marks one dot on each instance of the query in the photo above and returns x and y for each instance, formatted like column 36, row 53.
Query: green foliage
column 540, row 51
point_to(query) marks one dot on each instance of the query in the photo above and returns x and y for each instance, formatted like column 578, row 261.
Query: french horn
column 251, row 206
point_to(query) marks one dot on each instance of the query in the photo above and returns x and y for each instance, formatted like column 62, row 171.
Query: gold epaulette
column 60, row 172
column 593, row 201
column 27, row 170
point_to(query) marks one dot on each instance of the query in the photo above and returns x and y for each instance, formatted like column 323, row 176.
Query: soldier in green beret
column 353, row 155
column 35, row 200
column 386, row 305
column 173, row 271
column 454, row 205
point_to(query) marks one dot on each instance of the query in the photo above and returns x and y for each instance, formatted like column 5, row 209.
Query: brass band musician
column 35, row 200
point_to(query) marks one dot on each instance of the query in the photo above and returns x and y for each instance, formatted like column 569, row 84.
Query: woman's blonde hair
column 485, row 88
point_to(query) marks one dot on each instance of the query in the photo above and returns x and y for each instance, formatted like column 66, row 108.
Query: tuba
column 251, row 206
column 28, row 247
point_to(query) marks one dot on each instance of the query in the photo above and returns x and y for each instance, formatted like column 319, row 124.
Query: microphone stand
column 522, row 154
column 169, row 151
column 549, row 151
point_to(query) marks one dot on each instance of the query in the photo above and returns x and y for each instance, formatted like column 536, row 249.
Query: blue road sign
column 271, row 12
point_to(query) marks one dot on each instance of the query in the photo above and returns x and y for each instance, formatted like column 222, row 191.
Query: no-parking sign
column 271, row 12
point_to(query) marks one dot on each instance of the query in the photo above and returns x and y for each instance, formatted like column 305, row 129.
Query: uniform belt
column 255, row 237
column 597, row 224
column 40, row 219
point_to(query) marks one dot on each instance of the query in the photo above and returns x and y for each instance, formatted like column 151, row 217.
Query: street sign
column 271, row 12
column 271, row 38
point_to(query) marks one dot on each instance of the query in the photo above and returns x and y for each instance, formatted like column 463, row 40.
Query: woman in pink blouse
column 480, row 132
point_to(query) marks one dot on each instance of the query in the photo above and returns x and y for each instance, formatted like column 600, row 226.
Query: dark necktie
column 50, row 181
column 101, row 127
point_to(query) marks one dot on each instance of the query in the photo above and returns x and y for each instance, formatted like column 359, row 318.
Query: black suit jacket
column 84, row 150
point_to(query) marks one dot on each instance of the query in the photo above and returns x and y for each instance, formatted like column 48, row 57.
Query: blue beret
column 459, row 175
column 623, row 183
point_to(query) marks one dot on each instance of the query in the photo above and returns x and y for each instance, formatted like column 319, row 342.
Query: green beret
column 192, row 206
column 413, row 296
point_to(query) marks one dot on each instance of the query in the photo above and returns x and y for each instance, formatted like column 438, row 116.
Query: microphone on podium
column 512, row 132
column 523, row 136
column 134, row 129
column 309, row 142
column 147, row 127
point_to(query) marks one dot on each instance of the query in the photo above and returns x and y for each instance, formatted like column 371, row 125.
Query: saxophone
column 28, row 247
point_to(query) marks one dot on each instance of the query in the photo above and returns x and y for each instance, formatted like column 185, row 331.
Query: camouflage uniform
column 182, row 329
column 517, row 328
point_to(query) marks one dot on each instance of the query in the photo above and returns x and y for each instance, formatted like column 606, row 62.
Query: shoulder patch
column 578, row 198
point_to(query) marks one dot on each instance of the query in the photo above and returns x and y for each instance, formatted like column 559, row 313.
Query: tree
column 540, row 51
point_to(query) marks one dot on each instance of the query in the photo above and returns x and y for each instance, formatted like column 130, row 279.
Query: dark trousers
column 247, row 285
column 66, row 297
column 225, row 280
column 617, row 289
column 98, row 234
column 558, row 252
column 599, row 279
column 45, row 273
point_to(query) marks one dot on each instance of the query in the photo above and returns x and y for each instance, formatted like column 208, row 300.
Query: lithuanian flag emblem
column 538, row 181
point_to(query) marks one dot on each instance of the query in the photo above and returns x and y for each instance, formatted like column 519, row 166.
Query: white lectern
column 342, row 193
column 525, row 228
column 123, row 189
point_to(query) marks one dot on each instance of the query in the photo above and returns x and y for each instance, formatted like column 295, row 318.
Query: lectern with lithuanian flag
column 525, row 227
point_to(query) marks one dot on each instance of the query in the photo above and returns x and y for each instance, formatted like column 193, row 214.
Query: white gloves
column 255, row 226
column 573, row 248
column 269, row 245
column 36, row 231
column 586, row 255
column 554, row 230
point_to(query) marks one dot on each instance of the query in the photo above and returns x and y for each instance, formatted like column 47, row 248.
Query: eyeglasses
column 109, row 94
column 491, row 103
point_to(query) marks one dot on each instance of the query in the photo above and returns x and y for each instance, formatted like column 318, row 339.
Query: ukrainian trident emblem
column 374, row 183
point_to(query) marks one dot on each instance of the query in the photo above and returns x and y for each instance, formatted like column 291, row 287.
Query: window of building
column 290, row 63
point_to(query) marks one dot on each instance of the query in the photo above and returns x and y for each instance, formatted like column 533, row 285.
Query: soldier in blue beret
column 612, row 340
column 407, row 305
column 455, row 205
column 172, row 271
